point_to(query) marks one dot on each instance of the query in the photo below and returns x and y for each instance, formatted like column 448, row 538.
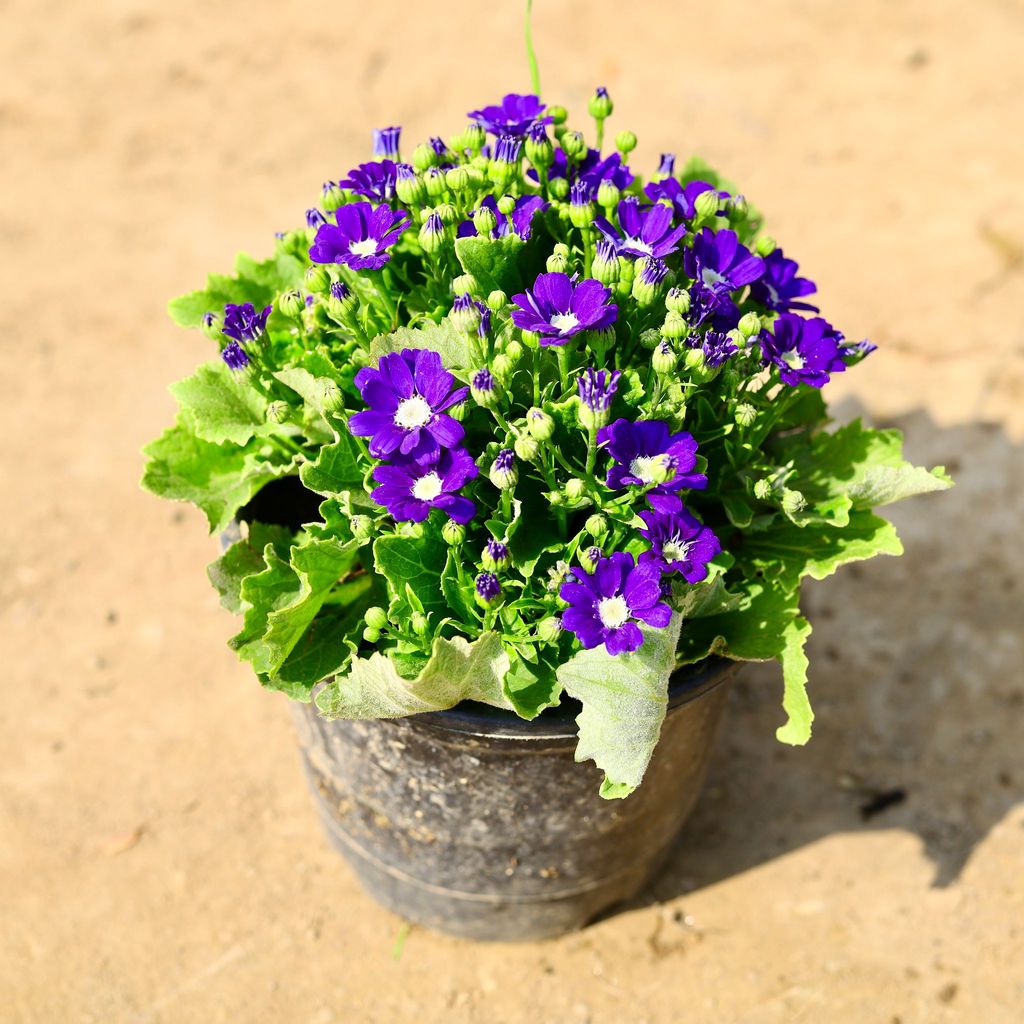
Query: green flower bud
column 477, row 177
column 503, row 472
column 574, row 145
column 371, row 636
column 559, row 188
column 737, row 337
column 331, row 398
column 559, row 115
column 526, row 447
column 737, row 206
column 340, row 303
column 420, row 623
column 316, row 279
column 765, row 246
column 596, row 526
column 446, row 212
column 793, row 502
column 362, row 527
column 488, row 396
column 432, row 235
column 474, row 137
column 763, row 489
column 333, row 196
column 675, row 327
column 625, row 142
column 575, row 488
column 706, row 205
column 278, row 412
column 589, row 557
column 291, row 304
column 664, row 359
column 604, row 269
column 581, row 215
column 531, row 339
column 549, row 629
column 433, row 178
column 506, row 204
column 494, row 556
column 600, row 105
column 745, row 414
column 540, row 152
column 411, row 190
column 514, row 350
column 497, row 300
column 749, row 325
column 539, row 424
column 465, row 317
column 453, row 533
column 650, row 339
column 423, row 156
column 556, row 263
column 457, row 179
column 213, row 324
column 485, row 220
column 502, row 367
column 677, row 300
column 376, row 618
column 465, row 284
column 554, row 498
column 599, row 342
column 694, row 359
column 608, row 194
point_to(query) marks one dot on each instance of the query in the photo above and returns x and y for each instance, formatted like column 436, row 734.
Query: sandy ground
column 159, row 858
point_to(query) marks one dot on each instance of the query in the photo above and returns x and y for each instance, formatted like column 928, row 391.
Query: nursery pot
column 477, row 823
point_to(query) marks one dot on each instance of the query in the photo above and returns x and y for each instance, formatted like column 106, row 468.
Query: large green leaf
column 218, row 478
column 245, row 558
column 443, row 338
column 413, row 560
column 456, row 671
column 530, row 688
column 222, row 406
column 493, row 262
column 624, row 701
column 336, row 471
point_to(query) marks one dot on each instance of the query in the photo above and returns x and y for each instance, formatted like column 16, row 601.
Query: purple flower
column 719, row 263
column 603, row 605
column 680, row 542
column 374, row 180
column 235, row 356
column 407, row 395
column 488, row 588
column 643, row 232
column 508, row 149
column 805, row 351
column 483, row 380
column 593, row 168
column 682, row 197
column 314, row 218
column 520, row 220
column 361, row 236
column 385, row 142
column 243, row 323
column 645, row 453
column 780, row 289
column 855, row 351
column 411, row 488
column 557, row 308
column 652, row 271
column 597, row 388
column 717, row 348
column 667, row 165
column 513, row 116
column 715, row 307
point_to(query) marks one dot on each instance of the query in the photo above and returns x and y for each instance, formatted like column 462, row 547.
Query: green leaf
column 456, row 671
column 624, row 701
column 454, row 594
column 222, row 406
column 443, row 338
column 311, row 388
column 493, row 262
column 219, row 479
column 337, row 471
column 699, row 600
column 245, row 558
column 532, row 688
column 415, row 559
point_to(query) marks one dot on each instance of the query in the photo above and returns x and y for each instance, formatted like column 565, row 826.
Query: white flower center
column 563, row 322
column 639, row 245
column 675, row 550
column 711, row 277
column 794, row 359
column 413, row 413
column 648, row 468
column 364, row 247
column 427, row 488
column 612, row 611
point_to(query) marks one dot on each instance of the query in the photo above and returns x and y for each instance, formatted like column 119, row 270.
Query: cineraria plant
column 566, row 428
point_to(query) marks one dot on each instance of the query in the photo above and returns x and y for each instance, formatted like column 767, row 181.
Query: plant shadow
column 916, row 681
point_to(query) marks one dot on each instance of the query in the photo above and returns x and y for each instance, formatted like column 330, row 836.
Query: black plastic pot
column 476, row 823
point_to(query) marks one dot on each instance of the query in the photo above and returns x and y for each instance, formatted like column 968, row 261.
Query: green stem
column 600, row 132
column 531, row 55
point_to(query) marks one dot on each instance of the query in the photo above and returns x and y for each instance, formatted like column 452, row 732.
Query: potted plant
column 516, row 456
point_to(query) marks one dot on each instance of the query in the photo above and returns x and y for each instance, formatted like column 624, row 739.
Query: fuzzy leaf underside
column 220, row 405
column 624, row 699
column 443, row 338
column 457, row 670
column 245, row 558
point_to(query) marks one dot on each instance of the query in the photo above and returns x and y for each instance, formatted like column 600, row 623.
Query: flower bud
column 502, row 366
column 446, row 212
column 475, row 136
column 362, row 527
column 291, row 303
column 549, row 629
column 495, row 556
column 581, row 206
column 556, row 263
column 589, row 557
column 666, row 166
column 331, row 398
column 737, row 206
column 737, row 337
column 575, row 488
column 526, row 447
column 465, row 284
column 484, row 220
column 596, row 526
column 559, row 188
column 317, row 279
column 649, row 281
column 433, row 178
column 763, row 489
column 503, row 473
column 278, row 412
column 538, row 147
column 514, row 350
column 424, row 156
column 487, row 589
column 608, row 194
column 706, row 205
column 625, row 142
column 333, row 196
column 431, row 234
column 341, row 302
column 213, row 325
column 420, row 623
column 605, row 267
column 765, row 246
column 484, row 389
column 749, row 325
column 675, row 327
column 745, row 414
column 664, row 359
column 793, row 502
column 694, row 359
column 453, row 533
column 457, row 179
column 559, row 115
column 678, row 300
column 409, row 186
column 497, row 301
column 540, row 424
column 574, row 145
column 600, row 105
column 371, row 636
column 599, row 342
column 506, row 204
column 376, row 618
column 465, row 316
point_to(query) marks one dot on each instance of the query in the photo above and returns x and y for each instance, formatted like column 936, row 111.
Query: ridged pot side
column 479, row 824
